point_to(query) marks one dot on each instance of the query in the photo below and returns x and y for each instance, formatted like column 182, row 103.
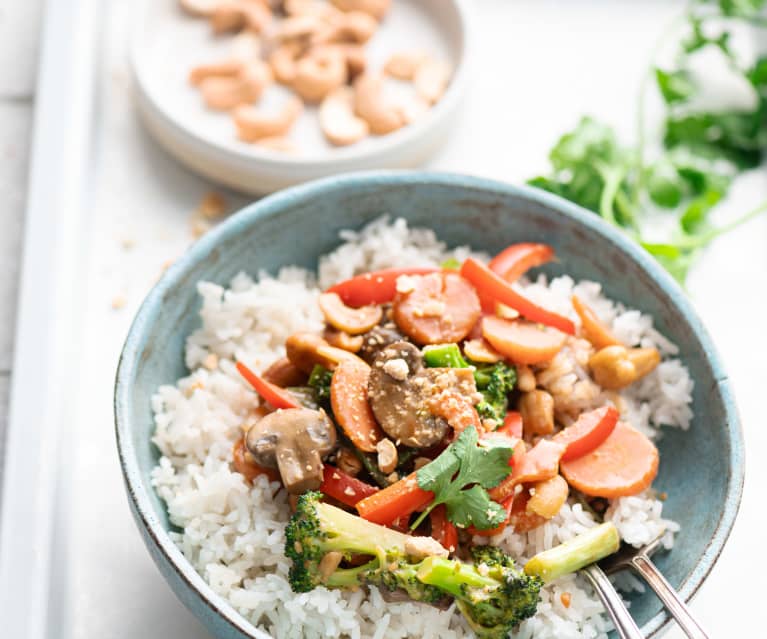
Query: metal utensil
column 638, row 560
column 624, row 623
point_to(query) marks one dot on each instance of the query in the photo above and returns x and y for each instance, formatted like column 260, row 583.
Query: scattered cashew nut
column 319, row 73
column 226, row 69
column 283, row 61
column 234, row 15
column 431, row 79
column 200, row 8
column 337, row 120
column 404, row 65
column 356, row 27
column 253, row 124
column 370, row 105
column 376, row 8
column 223, row 92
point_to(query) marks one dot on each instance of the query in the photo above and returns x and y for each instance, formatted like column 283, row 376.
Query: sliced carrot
column 443, row 530
column 377, row 287
column 539, row 463
column 244, row 464
column 437, row 308
column 343, row 487
column 396, row 501
column 593, row 328
column 349, row 399
column 623, row 464
column 517, row 259
column 492, row 285
column 522, row 342
column 588, row 432
column 276, row 396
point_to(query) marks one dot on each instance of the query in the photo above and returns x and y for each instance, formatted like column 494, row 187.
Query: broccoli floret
column 491, row 593
column 495, row 382
column 319, row 381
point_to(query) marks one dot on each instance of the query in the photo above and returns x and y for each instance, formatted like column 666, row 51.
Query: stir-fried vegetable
column 377, row 287
column 515, row 260
column 320, row 380
column 495, row 382
column 398, row 500
column 623, row 464
column 344, row 488
column 522, row 342
column 591, row 429
column 276, row 396
column 349, row 398
column 582, row 550
column 492, row 285
column 319, row 537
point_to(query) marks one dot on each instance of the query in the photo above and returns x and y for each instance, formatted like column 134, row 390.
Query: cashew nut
column 253, row 124
column 376, row 8
column 337, row 120
column 201, row 8
column 246, row 46
column 413, row 108
column 226, row 92
column 355, row 27
column 234, row 15
column 370, row 105
column 309, row 8
column 283, row 61
column 278, row 143
column 403, row 65
column 226, row 69
column 319, row 73
column 431, row 79
column 300, row 27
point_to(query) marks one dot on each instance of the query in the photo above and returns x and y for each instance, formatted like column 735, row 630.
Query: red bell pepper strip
column 343, row 487
column 588, row 432
column 443, row 530
column 377, row 287
column 517, row 259
column 395, row 501
column 512, row 425
column 276, row 396
column 493, row 285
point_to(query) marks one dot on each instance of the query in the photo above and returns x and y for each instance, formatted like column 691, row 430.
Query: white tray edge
column 46, row 333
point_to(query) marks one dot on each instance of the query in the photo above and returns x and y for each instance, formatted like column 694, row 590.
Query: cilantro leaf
column 459, row 478
column 675, row 86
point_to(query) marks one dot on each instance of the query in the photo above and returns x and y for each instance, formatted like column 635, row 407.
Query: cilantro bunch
column 700, row 154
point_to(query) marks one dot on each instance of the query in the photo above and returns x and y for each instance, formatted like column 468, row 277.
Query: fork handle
column 624, row 624
column 668, row 596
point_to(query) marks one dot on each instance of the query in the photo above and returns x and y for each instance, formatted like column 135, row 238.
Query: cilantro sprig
column 460, row 477
column 701, row 151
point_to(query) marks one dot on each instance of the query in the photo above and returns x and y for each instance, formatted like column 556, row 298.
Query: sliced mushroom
column 374, row 341
column 295, row 441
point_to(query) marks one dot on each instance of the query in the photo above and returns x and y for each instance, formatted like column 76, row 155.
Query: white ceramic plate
column 166, row 43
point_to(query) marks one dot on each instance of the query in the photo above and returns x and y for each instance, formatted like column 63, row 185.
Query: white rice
column 233, row 533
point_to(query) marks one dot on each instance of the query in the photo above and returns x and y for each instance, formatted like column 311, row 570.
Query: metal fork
column 639, row 562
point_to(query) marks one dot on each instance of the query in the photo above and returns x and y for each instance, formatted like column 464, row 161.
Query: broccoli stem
column 349, row 578
column 452, row 576
column 356, row 535
column 587, row 548
column 444, row 356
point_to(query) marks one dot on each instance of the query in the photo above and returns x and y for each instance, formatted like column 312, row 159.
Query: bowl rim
column 138, row 490
column 342, row 157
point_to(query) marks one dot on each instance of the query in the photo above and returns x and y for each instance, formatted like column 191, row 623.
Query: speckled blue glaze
column 702, row 470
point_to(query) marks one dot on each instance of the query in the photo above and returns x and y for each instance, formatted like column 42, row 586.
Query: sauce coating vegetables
column 436, row 308
column 378, row 287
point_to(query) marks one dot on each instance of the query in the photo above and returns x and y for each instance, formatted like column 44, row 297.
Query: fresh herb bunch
column 703, row 150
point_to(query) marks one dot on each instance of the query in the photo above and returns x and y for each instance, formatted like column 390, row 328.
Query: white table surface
column 543, row 63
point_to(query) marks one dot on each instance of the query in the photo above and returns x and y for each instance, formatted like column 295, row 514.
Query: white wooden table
column 568, row 59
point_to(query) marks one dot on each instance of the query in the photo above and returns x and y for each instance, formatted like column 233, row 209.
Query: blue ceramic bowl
column 701, row 469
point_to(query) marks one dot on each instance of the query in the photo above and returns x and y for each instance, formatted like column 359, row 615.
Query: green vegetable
column 582, row 550
column 494, row 597
column 495, row 381
column 703, row 149
column 459, row 478
column 444, row 356
column 450, row 264
column 319, row 381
